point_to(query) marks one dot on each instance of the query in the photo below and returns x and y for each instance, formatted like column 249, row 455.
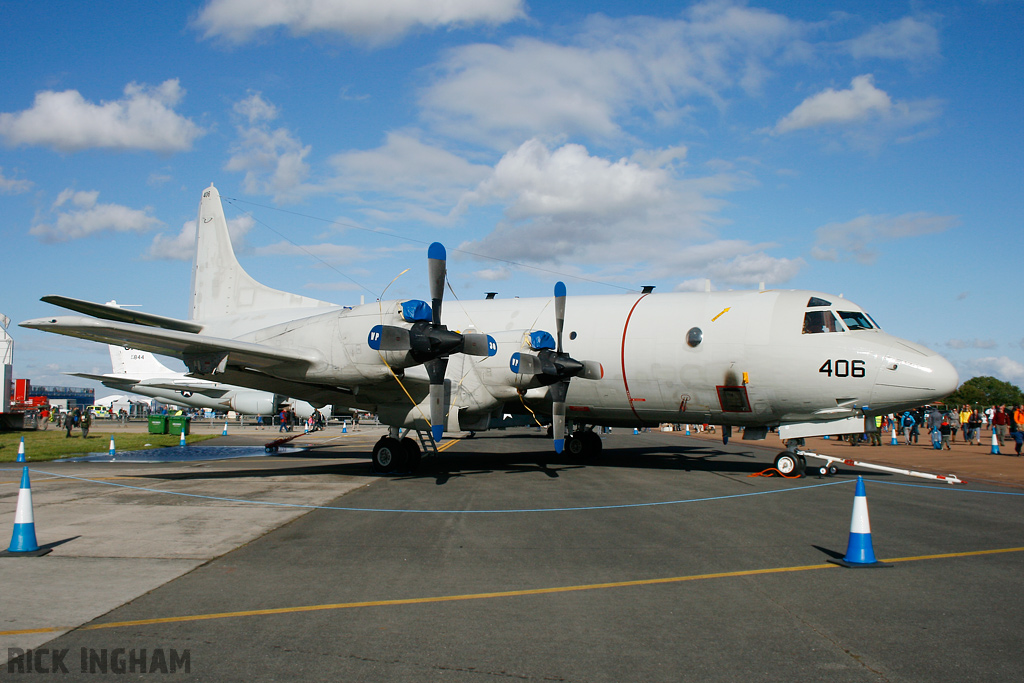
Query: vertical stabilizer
column 137, row 364
column 220, row 287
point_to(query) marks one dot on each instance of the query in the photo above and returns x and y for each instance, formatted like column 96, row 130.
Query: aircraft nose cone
column 946, row 377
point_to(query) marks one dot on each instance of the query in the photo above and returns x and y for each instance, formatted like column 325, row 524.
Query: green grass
column 53, row 444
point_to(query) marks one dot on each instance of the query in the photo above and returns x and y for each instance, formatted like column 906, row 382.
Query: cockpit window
column 815, row 302
column 855, row 320
column 821, row 321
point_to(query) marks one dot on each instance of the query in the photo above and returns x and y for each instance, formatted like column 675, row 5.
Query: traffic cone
column 635, row 430
column 225, row 432
column 23, row 540
column 112, row 452
column 995, row 443
column 344, row 426
column 859, row 551
column 21, row 450
column 181, row 441
column 894, row 442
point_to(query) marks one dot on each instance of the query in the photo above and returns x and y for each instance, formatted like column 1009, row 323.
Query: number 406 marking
column 843, row 368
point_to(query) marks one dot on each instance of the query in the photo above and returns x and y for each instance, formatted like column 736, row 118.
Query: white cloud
column 626, row 218
column 1000, row 367
column 13, row 185
column 406, row 171
column 831, row 107
column 273, row 160
column 908, row 38
column 638, row 68
column 85, row 216
column 144, row 119
column 182, row 246
column 368, row 21
column 858, row 239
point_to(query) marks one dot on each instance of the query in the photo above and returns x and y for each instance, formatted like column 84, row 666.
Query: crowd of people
column 943, row 426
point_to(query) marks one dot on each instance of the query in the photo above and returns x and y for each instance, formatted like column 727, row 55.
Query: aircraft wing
column 197, row 348
column 209, row 389
column 106, row 312
column 111, row 381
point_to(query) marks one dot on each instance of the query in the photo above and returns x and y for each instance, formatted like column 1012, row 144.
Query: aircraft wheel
column 575, row 446
column 387, row 455
column 790, row 464
column 592, row 444
column 412, row 454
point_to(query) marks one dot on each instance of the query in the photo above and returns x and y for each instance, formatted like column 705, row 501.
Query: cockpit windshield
column 855, row 320
column 816, row 322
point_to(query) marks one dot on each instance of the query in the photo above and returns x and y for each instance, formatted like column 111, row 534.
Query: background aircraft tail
column 137, row 364
column 220, row 287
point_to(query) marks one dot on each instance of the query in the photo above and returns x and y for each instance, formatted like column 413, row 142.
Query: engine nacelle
column 253, row 403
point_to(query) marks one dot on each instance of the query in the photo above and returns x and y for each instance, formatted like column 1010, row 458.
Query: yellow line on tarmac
column 447, row 444
column 489, row 596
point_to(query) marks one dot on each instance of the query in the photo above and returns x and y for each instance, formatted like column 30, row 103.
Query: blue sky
column 870, row 149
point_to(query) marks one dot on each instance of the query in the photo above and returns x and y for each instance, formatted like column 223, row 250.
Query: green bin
column 157, row 424
column 178, row 424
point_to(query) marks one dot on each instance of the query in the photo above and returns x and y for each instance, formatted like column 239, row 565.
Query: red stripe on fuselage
column 622, row 357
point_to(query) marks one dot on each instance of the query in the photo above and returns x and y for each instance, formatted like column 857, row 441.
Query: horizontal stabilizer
column 124, row 315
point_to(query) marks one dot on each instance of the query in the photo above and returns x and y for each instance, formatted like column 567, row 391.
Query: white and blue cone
column 859, row 551
column 225, row 432
column 995, row 443
column 23, row 540
column 21, row 450
column 181, row 441
column 112, row 452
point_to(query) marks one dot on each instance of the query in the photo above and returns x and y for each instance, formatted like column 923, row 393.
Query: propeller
column 553, row 367
column 428, row 341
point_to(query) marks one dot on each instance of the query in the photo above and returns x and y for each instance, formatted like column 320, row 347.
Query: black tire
column 412, row 454
column 592, row 444
column 387, row 455
column 575, row 446
column 790, row 464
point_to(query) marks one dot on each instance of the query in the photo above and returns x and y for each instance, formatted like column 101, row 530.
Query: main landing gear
column 790, row 464
column 391, row 454
column 585, row 443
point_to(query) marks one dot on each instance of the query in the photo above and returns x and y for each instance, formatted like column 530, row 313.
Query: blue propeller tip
column 436, row 250
column 559, row 445
column 559, row 288
column 437, row 431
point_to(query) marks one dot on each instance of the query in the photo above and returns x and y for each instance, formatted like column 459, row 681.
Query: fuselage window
column 815, row 302
column 855, row 320
column 821, row 321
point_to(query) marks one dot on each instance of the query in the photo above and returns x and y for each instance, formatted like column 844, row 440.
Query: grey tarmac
column 663, row 560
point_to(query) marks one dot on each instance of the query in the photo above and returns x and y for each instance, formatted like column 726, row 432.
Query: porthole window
column 572, row 335
column 694, row 337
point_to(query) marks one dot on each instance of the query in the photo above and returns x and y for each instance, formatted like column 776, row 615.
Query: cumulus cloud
column 860, row 238
column 273, row 159
column 406, row 176
column 565, row 206
column 830, row 106
column 182, row 246
column 13, row 185
column 144, row 119
column 1000, row 367
column 909, row 38
column 365, row 21
column 637, row 67
column 79, row 214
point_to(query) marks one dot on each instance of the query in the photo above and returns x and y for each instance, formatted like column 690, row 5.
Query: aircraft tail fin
column 136, row 363
column 220, row 287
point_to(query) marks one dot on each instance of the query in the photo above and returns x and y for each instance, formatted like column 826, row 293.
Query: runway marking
column 490, row 596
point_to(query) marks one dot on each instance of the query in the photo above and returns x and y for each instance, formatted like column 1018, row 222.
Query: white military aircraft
column 806, row 362
column 139, row 372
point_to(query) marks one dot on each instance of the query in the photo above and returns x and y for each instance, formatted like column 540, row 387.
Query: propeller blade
column 558, row 392
column 526, row 364
column 436, row 270
column 435, row 371
column 474, row 344
column 389, row 338
column 559, row 313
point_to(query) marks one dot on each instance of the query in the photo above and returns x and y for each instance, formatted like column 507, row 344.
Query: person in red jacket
column 1000, row 424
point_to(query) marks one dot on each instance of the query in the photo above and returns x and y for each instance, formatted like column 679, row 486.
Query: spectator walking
column 1000, row 424
column 908, row 423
